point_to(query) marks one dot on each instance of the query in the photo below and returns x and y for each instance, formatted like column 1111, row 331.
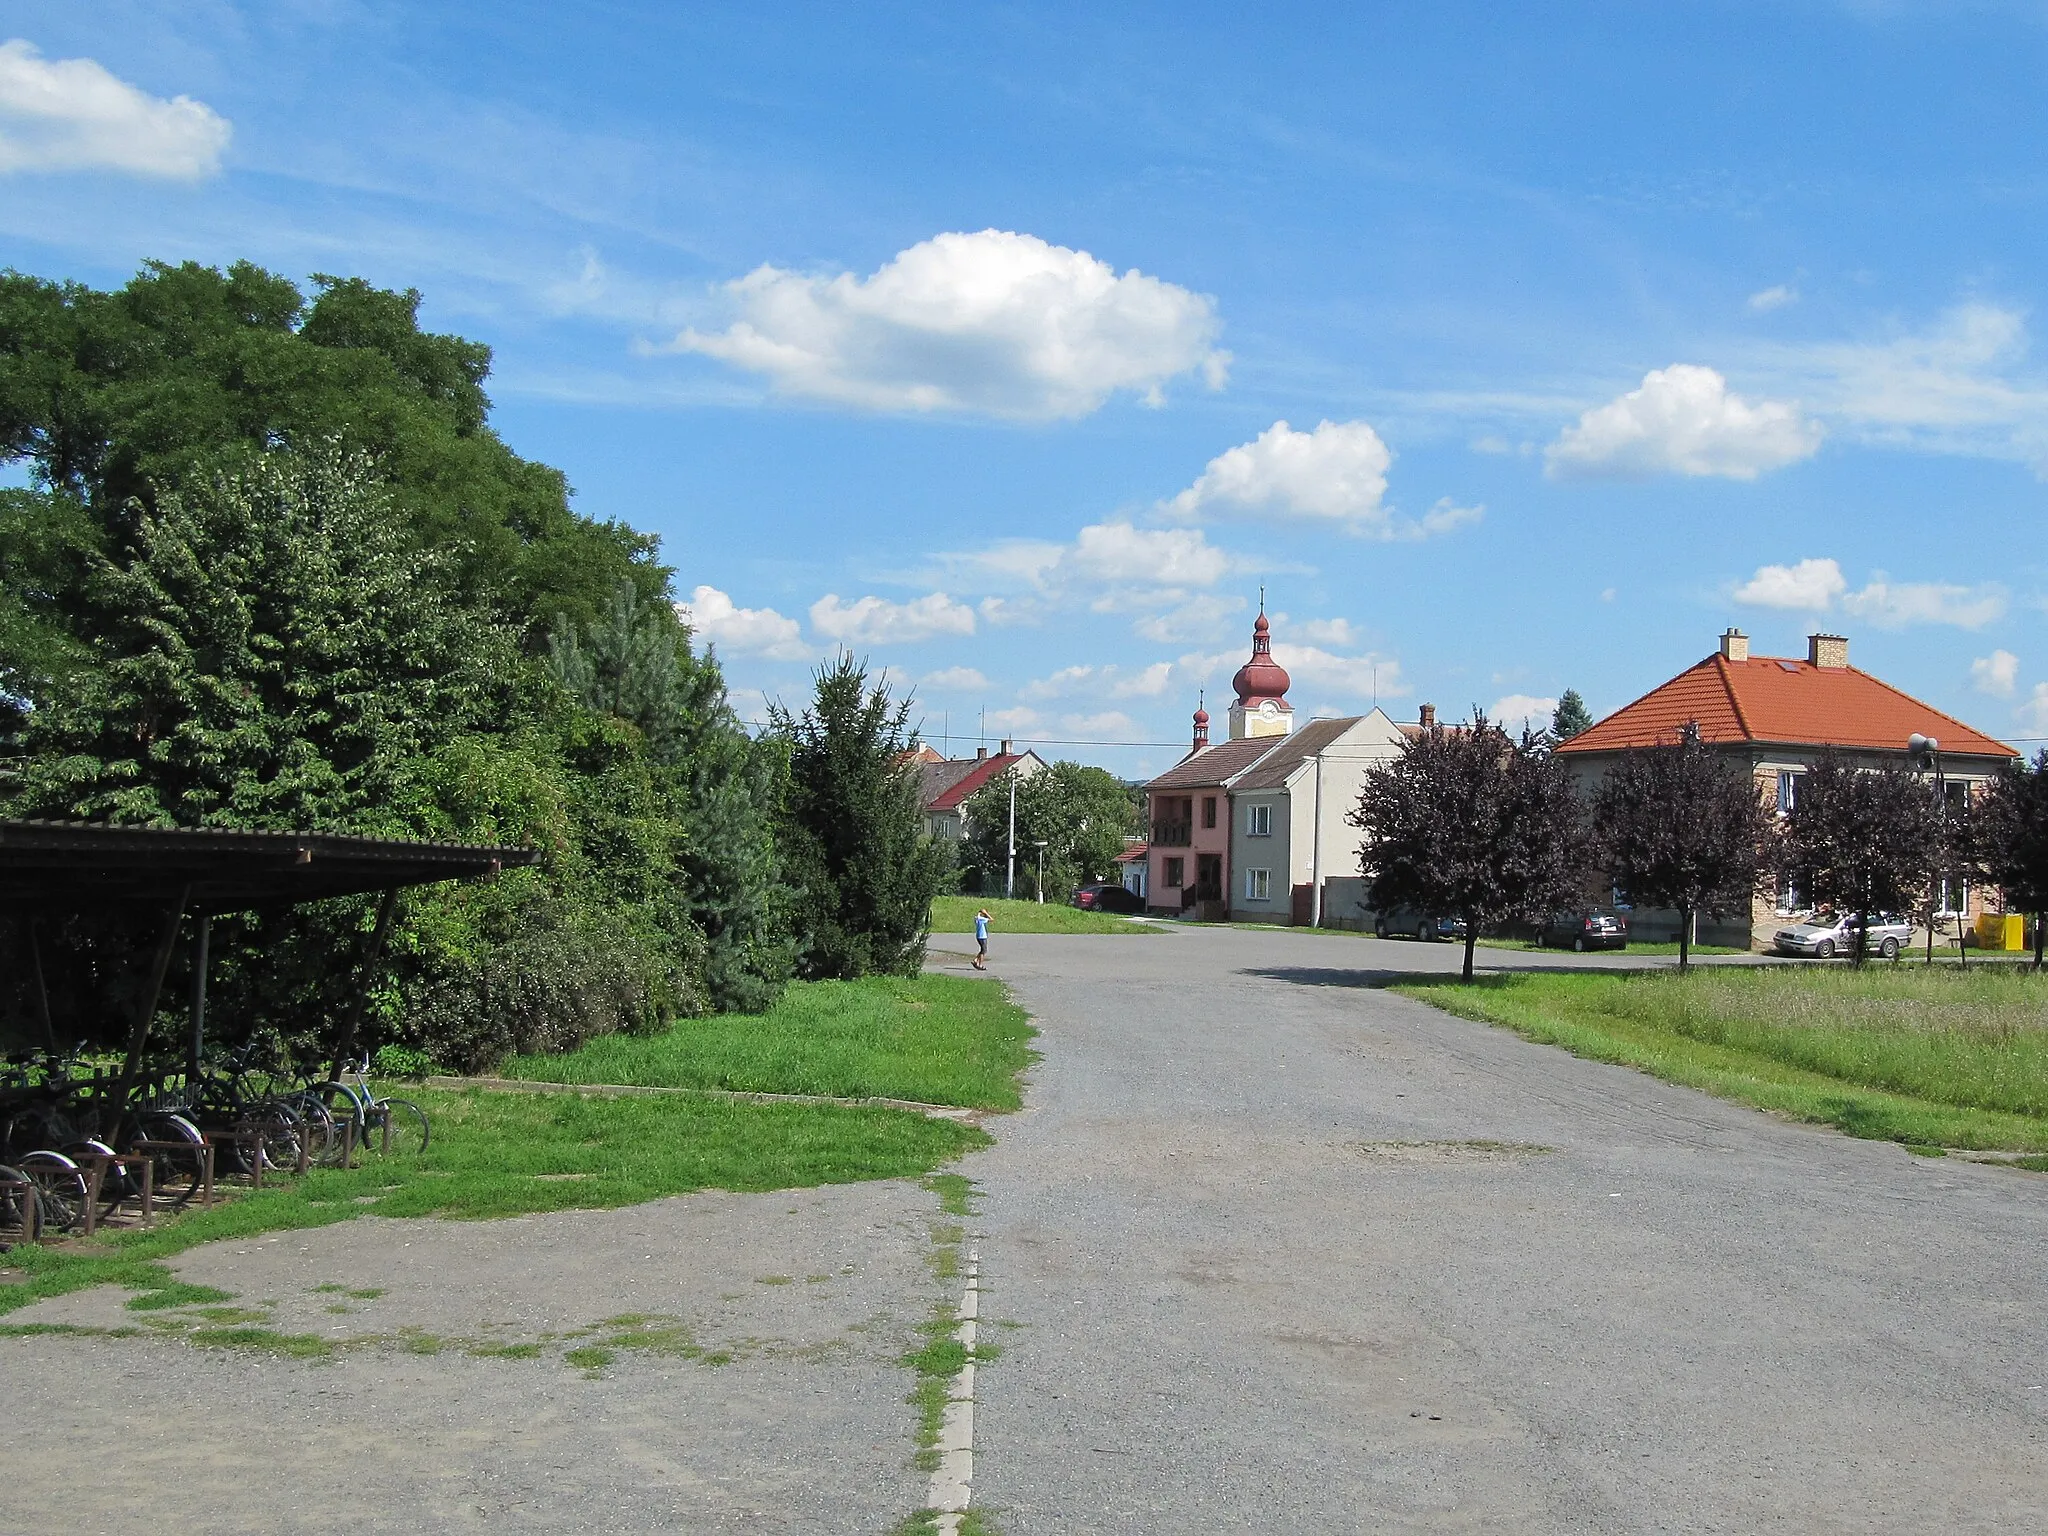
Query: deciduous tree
column 1680, row 826
column 1467, row 822
column 1864, row 840
column 1081, row 813
column 2009, row 827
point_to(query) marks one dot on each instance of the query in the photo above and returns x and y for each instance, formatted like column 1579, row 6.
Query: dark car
column 1104, row 897
column 1584, row 928
column 1411, row 924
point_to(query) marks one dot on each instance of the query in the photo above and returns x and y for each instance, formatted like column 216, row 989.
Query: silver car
column 1822, row 938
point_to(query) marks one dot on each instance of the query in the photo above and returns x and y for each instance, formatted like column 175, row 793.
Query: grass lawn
column 504, row 1154
column 934, row 1039
column 1937, row 1058
column 955, row 914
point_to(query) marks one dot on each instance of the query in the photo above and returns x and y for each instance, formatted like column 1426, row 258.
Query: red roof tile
column 1216, row 764
column 949, row 798
column 1785, row 703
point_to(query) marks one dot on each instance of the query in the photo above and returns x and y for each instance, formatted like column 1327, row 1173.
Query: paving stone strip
column 628, row 1090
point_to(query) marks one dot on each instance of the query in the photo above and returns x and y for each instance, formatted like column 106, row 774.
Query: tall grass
column 1897, row 1052
column 932, row 1039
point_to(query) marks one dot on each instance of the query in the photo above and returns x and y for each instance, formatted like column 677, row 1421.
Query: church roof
column 1216, row 766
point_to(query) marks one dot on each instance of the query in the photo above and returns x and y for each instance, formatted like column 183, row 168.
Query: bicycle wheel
column 60, row 1184
column 177, row 1169
column 116, row 1182
column 318, row 1125
column 407, row 1123
column 15, row 1204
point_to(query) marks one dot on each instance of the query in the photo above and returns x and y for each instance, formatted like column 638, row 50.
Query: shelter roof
column 59, row 864
column 1274, row 769
column 1216, row 765
column 1768, row 700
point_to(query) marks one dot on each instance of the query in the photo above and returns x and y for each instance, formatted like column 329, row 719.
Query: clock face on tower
column 1269, row 709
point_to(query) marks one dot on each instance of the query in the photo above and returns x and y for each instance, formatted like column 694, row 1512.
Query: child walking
column 981, row 938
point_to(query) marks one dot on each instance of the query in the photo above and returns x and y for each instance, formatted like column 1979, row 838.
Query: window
column 1951, row 897
column 1176, row 873
column 1258, row 820
column 1790, row 898
column 1257, row 885
column 1788, row 789
column 1208, row 810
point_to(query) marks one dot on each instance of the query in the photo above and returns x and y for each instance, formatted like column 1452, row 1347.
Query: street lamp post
column 1927, row 749
column 1041, row 871
column 1010, row 871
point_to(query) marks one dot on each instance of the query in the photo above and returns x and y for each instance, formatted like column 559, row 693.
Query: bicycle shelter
column 55, row 869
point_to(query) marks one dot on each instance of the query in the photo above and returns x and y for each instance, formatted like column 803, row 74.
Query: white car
column 1822, row 938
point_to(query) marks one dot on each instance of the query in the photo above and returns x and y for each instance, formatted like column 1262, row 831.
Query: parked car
column 1105, row 897
column 1822, row 937
column 1408, row 922
column 1584, row 928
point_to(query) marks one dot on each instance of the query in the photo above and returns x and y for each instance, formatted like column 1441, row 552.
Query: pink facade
column 1189, row 856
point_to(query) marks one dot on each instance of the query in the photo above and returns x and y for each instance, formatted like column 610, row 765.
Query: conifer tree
column 1570, row 717
column 863, row 871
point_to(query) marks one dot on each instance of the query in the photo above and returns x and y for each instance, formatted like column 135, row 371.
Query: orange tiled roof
column 1785, row 703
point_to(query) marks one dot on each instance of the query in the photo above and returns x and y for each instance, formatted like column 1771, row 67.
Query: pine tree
column 1570, row 717
column 853, row 836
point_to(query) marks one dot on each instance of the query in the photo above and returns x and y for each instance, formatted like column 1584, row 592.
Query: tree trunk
column 1471, row 938
column 1684, row 939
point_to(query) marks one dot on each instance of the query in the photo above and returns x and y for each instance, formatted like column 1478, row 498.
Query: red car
column 1104, row 897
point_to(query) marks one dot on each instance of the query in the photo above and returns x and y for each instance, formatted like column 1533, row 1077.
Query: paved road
column 1262, row 1286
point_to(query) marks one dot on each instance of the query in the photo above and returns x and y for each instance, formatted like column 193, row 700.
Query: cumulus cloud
column 994, row 323
column 1317, row 631
column 2033, row 714
column 714, row 618
column 1811, row 586
column 73, row 115
column 1201, row 616
column 1777, row 296
column 1336, row 473
column 877, row 621
column 954, row 680
column 1104, row 725
column 1818, row 586
column 1522, row 711
column 1996, row 674
column 1895, row 605
column 1100, row 681
column 1683, row 420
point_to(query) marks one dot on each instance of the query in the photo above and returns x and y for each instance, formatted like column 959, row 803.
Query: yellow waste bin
column 2006, row 931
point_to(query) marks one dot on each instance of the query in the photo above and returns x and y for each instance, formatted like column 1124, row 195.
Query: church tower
column 1261, row 708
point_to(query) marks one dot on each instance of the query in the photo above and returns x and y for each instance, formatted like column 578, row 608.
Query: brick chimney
column 1734, row 645
column 981, row 754
column 1005, row 748
column 1428, row 716
column 1827, row 651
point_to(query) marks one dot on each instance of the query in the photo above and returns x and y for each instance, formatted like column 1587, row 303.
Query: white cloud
column 1996, row 674
column 2033, row 714
column 1317, row 631
column 993, row 323
column 1776, row 296
column 1014, row 721
column 1811, row 586
column 954, row 680
column 1147, row 683
column 1520, row 711
column 1441, row 518
column 714, row 618
column 1336, row 473
column 877, row 621
column 1954, row 388
column 1166, row 557
column 1818, row 586
column 1061, row 683
column 1683, row 420
column 72, row 115
column 1107, row 725
column 1201, row 616
column 1310, row 667
column 1895, row 605
column 1100, row 681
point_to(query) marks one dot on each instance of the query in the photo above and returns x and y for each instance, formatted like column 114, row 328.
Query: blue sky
column 966, row 336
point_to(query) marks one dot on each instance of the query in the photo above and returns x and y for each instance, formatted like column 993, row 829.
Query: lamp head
column 1920, row 745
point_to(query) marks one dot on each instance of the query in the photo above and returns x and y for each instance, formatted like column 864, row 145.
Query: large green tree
column 2009, row 829
column 1081, row 813
column 1863, row 840
column 118, row 398
column 863, row 871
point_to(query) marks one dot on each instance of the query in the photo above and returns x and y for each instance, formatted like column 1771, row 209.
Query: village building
column 1777, row 716
column 944, row 784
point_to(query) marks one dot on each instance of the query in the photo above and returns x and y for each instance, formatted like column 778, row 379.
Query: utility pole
column 1315, row 855
column 1010, row 875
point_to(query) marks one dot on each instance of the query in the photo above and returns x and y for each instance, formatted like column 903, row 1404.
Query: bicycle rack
column 31, row 1207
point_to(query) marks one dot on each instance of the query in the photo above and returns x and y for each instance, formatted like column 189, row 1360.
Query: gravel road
column 1291, row 1253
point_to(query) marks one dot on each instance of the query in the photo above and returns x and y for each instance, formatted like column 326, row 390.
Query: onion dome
column 1262, row 677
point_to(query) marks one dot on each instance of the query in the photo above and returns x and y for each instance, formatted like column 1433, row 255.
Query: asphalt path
column 1289, row 1252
